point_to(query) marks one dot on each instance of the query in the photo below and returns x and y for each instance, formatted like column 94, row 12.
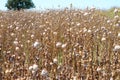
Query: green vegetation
column 19, row 4
column 109, row 13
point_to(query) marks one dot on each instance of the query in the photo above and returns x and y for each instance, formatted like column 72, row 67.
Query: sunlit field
column 64, row 44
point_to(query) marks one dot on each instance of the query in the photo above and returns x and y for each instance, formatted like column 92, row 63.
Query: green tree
column 19, row 4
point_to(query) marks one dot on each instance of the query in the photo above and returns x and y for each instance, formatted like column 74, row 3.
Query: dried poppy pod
column 44, row 73
column 116, row 48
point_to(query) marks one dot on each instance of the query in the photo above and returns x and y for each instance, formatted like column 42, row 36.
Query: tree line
column 19, row 4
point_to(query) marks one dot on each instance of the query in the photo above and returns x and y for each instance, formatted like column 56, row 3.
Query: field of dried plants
column 59, row 45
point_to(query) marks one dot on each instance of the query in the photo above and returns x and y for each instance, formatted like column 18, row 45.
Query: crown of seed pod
column 117, row 48
column 44, row 73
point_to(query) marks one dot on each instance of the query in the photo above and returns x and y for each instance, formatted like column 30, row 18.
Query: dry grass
column 59, row 45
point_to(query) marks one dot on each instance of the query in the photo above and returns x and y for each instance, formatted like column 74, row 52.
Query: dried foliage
column 59, row 45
